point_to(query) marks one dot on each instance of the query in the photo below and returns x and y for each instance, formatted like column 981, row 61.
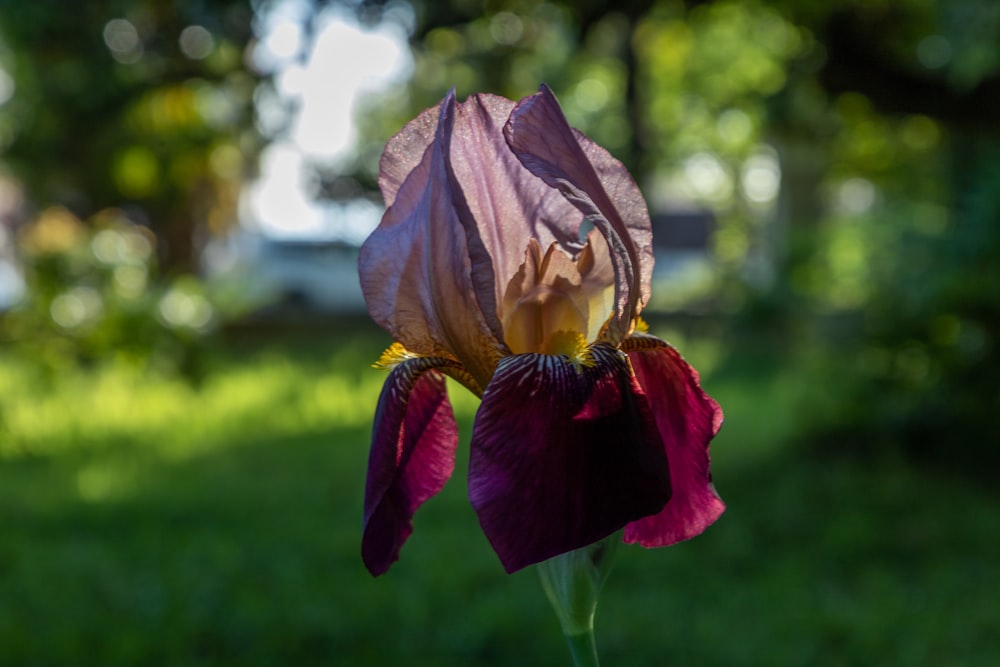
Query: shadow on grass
column 250, row 556
column 819, row 562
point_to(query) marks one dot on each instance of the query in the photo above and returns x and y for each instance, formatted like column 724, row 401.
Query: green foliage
column 93, row 292
column 130, row 101
column 509, row 51
column 924, row 364
column 119, row 106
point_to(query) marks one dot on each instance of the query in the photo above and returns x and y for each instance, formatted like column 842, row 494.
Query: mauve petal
column 562, row 458
column 412, row 456
column 623, row 191
column 687, row 419
column 417, row 272
column 599, row 186
column 404, row 151
column 509, row 204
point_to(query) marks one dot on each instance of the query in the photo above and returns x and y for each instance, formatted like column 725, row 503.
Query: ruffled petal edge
column 687, row 419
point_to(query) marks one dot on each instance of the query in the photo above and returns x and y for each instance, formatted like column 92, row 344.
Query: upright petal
column 404, row 151
column 687, row 419
column 596, row 184
column 412, row 456
column 598, row 274
column 509, row 205
column 544, row 301
column 563, row 455
column 417, row 268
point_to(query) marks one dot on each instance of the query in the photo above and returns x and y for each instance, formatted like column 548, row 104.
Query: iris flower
column 515, row 256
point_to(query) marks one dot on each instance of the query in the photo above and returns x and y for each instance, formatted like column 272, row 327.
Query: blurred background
column 185, row 389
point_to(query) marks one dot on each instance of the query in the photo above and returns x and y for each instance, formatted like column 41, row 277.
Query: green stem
column 572, row 581
column 583, row 649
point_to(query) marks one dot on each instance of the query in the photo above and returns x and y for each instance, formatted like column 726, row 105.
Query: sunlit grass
column 272, row 395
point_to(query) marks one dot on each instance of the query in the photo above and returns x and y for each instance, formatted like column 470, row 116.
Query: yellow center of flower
column 556, row 304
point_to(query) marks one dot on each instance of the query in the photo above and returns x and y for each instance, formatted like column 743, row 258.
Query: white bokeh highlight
column 318, row 85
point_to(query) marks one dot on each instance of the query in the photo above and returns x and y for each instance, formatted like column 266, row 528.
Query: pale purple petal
column 404, row 151
column 508, row 204
column 595, row 183
column 624, row 193
column 561, row 457
column 687, row 419
column 416, row 268
column 412, row 456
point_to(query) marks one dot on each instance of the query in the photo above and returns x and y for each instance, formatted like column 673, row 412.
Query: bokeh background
column 185, row 381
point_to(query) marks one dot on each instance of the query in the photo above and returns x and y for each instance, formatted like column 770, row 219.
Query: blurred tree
column 94, row 294
column 916, row 93
column 130, row 102
column 848, row 148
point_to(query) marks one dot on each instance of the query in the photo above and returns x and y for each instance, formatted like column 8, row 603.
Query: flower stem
column 572, row 581
column 583, row 649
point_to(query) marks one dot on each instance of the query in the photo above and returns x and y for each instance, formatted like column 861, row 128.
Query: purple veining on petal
column 687, row 419
column 562, row 457
column 412, row 456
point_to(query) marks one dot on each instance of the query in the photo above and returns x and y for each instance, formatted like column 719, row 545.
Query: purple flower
column 482, row 270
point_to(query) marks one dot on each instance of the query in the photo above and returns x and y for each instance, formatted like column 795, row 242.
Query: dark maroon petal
column 422, row 270
column 687, row 419
column 412, row 456
column 561, row 457
column 599, row 186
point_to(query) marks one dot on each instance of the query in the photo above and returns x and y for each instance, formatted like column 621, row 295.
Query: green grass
column 146, row 521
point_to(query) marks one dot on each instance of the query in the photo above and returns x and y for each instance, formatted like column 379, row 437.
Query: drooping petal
column 599, row 186
column 412, row 456
column 422, row 270
column 563, row 455
column 509, row 205
column 687, row 419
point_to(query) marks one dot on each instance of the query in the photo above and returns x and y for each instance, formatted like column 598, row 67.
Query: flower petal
column 509, row 205
column 563, row 455
column 416, row 268
column 412, row 456
column 687, row 419
column 404, row 151
column 599, row 186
